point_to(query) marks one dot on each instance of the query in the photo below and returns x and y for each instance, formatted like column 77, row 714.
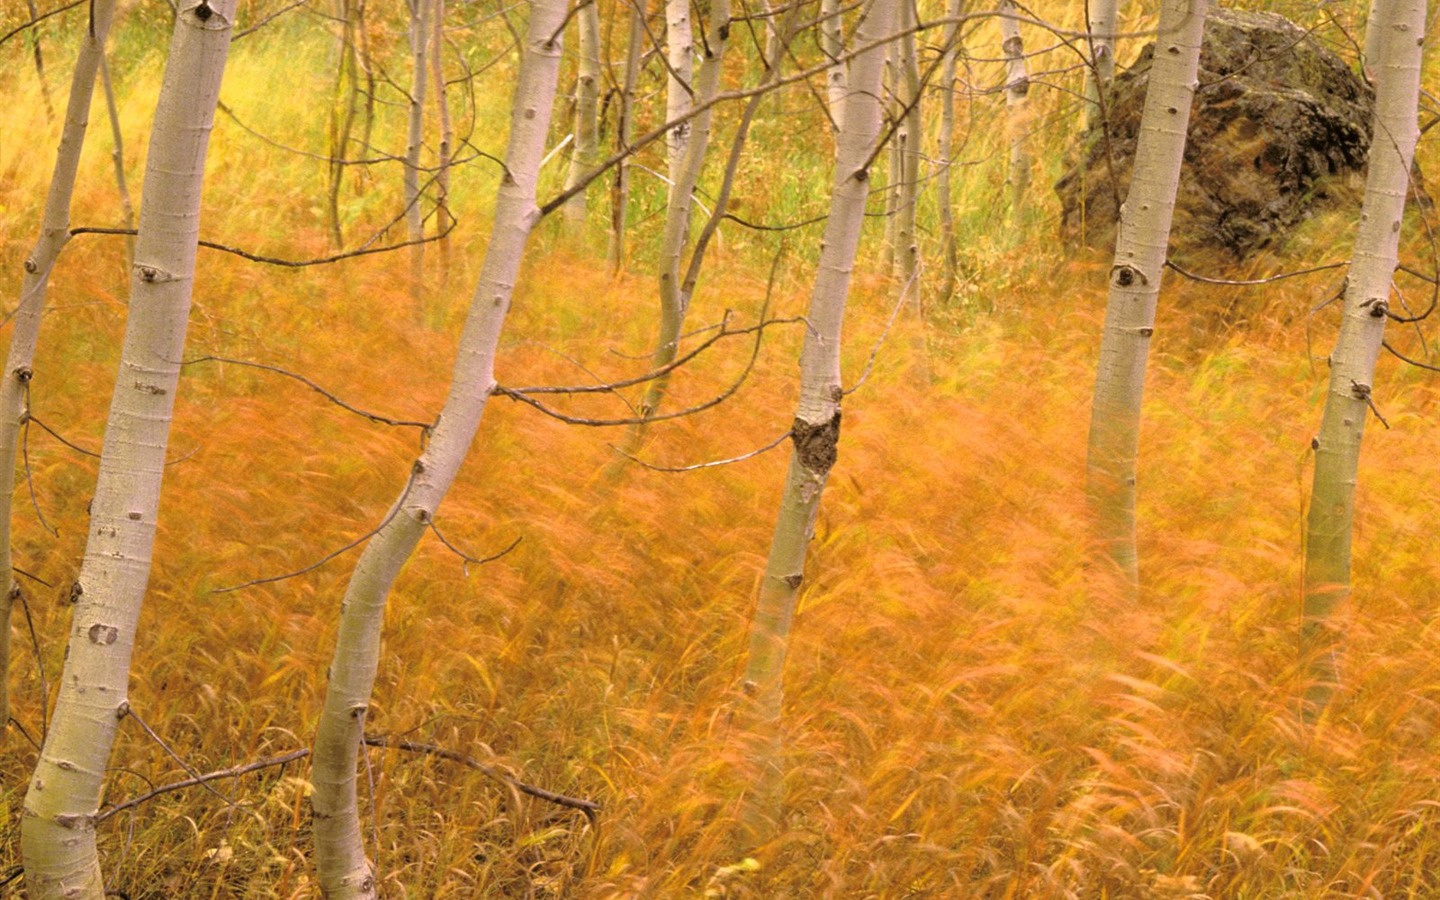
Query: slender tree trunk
column 1017, row 85
column 946, row 150
column 587, row 108
column 680, row 53
column 1104, row 14
column 117, row 154
column 620, row 194
column 447, row 141
column 19, row 363
column 414, row 217
column 344, row 872
column 832, row 44
column 1135, row 284
column 907, row 141
column 342, row 117
column 673, row 301
column 1362, row 330
column 816, row 429
column 40, row 62
column 58, row 827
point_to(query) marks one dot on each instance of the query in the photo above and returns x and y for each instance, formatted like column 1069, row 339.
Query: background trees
column 946, row 726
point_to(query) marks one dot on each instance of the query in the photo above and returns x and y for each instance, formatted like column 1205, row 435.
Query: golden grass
column 965, row 717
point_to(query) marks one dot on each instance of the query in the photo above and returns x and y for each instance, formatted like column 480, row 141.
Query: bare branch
column 705, row 465
column 38, row 19
column 373, row 417
column 232, row 772
column 1254, row 281
column 129, row 711
column 588, row 807
column 394, row 510
column 468, row 559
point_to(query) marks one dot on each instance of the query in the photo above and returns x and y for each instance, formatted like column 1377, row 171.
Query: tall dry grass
column 966, row 715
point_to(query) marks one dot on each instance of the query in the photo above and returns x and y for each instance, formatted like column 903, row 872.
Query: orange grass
column 964, row 717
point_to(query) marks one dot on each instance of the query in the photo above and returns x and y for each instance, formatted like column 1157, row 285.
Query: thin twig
column 374, row 417
column 265, row 21
column 289, row 263
column 189, row 769
column 468, row 559
column 38, row 19
column 30, row 482
column 1254, row 281
column 705, row 465
column 39, row 665
column 31, row 417
column 232, row 772
column 588, row 807
column 880, row 341
column 394, row 511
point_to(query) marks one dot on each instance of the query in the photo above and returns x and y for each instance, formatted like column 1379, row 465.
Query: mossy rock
column 1280, row 130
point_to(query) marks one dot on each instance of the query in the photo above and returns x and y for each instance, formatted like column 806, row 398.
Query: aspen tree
column 420, row 11
column 445, row 151
column 15, row 382
column 1100, row 27
column 1394, row 134
column 58, row 825
column 945, row 153
column 620, row 193
column 832, row 44
column 907, row 144
column 584, row 152
column 679, row 96
column 344, row 872
column 1135, row 277
column 674, row 302
column 1017, row 86
column 816, row 429
column 1370, row 56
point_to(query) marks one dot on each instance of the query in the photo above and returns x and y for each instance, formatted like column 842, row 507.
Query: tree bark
column 414, row 217
column 587, row 108
column 1135, row 280
column 907, row 142
column 16, row 380
column 1017, row 86
column 1395, row 132
column 1104, row 14
column 58, row 827
column 679, row 53
column 445, row 152
column 344, row 872
column 832, row 44
column 945, row 153
column 816, row 429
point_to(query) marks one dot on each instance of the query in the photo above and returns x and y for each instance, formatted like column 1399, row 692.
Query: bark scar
column 816, row 444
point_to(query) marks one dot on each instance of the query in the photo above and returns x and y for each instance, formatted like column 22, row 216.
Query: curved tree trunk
column 58, row 828
column 16, row 380
column 816, row 429
column 1395, row 132
column 339, row 851
column 1135, row 285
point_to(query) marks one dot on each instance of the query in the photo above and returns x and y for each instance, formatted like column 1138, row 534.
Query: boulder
column 1280, row 130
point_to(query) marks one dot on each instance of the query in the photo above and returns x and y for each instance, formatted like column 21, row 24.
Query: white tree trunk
column 679, row 53
column 414, row 216
column 339, row 851
column 19, row 362
column 907, row 141
column 1017, row 86
column 832, row 44
column 1395, row 133
column 946, row 151
column 1370, row 60
column 816, row 429
column 1135, row 284
column 587, row 109
column 446, row 149
column 58, row 827
column 1104, row 15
